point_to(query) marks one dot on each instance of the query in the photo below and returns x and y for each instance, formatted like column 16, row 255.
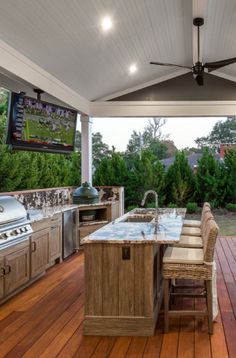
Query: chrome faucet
column 156, row 201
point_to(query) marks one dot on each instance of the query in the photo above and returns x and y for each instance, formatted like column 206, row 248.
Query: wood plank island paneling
column 123, row 290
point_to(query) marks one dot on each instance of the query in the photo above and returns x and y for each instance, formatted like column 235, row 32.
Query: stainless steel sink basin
column 139, row 219
column 139, row 215
column 143, row 211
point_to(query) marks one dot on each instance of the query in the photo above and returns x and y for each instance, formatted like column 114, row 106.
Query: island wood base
column 123, row 289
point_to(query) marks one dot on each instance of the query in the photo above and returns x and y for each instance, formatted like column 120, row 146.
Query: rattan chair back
column 207, row 216
column 206, row 208
column 209, row 240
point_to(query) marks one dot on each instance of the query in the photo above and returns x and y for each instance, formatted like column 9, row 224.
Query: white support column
column 86, row 148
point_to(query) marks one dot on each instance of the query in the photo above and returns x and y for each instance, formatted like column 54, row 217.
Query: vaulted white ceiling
column 64, row 38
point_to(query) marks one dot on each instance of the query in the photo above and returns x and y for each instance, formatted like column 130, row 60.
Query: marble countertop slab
column 166, row 231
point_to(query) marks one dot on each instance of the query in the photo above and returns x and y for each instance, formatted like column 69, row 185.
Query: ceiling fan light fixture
column 200, row 80
column 198, row 68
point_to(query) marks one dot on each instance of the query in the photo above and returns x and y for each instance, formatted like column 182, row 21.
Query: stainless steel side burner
column 14, row 224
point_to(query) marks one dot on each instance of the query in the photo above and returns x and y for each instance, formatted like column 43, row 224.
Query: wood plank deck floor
column 46, row 319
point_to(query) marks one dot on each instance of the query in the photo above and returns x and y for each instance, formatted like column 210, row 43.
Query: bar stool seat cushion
column 190, row 241
column 192, row 223
column 191, row 231
column 182, row 255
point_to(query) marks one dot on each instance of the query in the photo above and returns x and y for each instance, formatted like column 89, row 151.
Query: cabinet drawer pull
column 7, row 269
column 34, row 246
column 3, row 271
column 54, row 227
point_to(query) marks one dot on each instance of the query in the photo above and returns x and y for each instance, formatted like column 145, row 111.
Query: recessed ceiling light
column 132, row 69
column 106, row 23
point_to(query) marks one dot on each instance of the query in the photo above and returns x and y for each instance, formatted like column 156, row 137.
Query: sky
column 183, row 131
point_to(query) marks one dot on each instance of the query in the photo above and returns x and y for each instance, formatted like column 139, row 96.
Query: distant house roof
column 192, row 159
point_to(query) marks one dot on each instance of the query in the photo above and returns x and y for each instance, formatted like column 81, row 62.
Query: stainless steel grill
column 14, row 225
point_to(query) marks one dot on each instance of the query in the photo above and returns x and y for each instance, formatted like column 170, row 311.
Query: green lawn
column 226, row 222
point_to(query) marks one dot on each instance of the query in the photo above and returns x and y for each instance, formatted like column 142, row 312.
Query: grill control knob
column 8, row 234
column 18, row 231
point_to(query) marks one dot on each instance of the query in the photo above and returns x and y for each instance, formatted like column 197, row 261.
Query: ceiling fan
column 198, row 67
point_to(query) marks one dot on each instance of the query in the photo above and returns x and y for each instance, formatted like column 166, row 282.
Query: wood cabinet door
column 16, row 266
column 39, row 251
column 1, row 277
column 56, row 242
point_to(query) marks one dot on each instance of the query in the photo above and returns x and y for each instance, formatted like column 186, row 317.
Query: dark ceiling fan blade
column 212, row 66
column 169, row 64
column 199, row 79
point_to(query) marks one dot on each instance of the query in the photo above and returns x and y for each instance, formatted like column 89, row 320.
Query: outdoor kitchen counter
column 121, row 231
column 123, row 272
column 47, row 212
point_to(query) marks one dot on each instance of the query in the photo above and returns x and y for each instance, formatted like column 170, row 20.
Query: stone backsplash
column 42, row 198
column 45, row 198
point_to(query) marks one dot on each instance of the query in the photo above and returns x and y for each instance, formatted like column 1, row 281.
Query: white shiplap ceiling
column 64, row 37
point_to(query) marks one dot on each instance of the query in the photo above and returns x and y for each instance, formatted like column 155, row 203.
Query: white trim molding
column 163, row 108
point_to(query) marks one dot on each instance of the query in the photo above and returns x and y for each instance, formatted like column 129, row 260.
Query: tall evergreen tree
column 74, row 169
column 180, row 181
column 229, row 177
column 111, row 171
column 144, row 173
column 208, row 175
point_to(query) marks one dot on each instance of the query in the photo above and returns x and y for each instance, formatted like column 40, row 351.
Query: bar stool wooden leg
column 166, row 304
column 209, row 306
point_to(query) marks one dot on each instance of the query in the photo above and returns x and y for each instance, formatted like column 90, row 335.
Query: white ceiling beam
column 163, row 108
column 20, row 66
column 198, row 11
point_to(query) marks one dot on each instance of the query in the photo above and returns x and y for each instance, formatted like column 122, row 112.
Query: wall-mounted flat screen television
column 40, row 126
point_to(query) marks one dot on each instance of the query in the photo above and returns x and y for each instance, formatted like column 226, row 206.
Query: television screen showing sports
column 38, row 125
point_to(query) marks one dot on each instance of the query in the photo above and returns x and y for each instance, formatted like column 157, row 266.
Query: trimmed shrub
column 231, row 207
column 172, row 205
column 191, row 208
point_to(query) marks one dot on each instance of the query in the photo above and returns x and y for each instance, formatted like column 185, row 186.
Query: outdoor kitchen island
column 123, row 272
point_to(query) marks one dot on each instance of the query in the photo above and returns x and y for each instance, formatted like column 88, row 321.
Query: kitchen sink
column 139, row 218
column 139, row 215
column 143, row 211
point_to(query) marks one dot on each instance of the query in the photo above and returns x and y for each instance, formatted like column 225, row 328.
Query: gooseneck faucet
column 156, row 201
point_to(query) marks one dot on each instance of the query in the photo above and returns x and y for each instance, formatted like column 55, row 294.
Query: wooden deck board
column 46, row 319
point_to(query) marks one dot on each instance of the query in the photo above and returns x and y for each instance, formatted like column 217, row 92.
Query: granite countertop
column 47, row 212
column 121, row 231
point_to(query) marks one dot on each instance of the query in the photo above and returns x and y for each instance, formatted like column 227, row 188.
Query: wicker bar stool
column 196, row 231
column 195, row 241
column 197, row 223
column 191, row 264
